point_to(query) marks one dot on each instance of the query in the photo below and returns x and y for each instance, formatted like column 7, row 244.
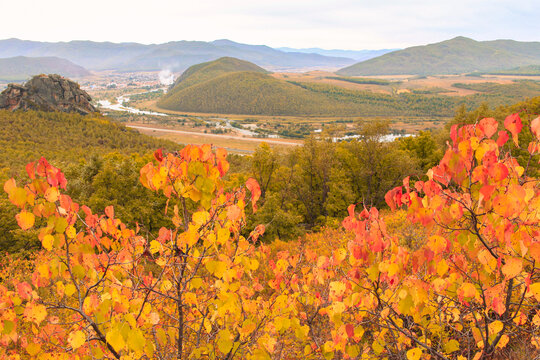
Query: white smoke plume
column 166, row 77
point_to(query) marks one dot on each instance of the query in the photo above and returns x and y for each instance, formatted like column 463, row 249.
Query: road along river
column 221, row 136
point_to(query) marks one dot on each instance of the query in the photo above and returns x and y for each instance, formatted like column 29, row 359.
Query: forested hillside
column 455, row 235
column 86, row 147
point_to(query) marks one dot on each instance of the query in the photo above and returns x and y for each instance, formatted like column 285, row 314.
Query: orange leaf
column 109, row 211
column 535, row 127
column 512, row 267
column 25, row 290
column 25, row 219
column 255, row 189
column 467, row 290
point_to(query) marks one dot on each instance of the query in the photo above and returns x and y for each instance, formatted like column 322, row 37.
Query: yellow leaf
column 76, row 339
column 35, row 313
column 71, row 232
column 223, row 235
column 225, row 343
column 136, row 340
column 393, row 269
column 188, row 237
column 166, row 286
column 25, row 219
column 200, row 218
column 155, row 246
column 495, row 327
column 451, row 346
column 115, row 339
column 47, row 242
column 442, row 267
column 33, row 349
column 216, row 268
column 414, row 354
column 70, row 289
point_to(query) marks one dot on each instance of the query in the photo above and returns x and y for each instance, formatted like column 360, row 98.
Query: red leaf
column 503, row 138
column 453, row 134
column 349, row 328
column 513, row 124
column 30, row 170
column 158, row 154
column 393, row 198
column 350, row 210
column 489, row 126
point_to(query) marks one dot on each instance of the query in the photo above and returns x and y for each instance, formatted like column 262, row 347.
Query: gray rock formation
column 47, row 93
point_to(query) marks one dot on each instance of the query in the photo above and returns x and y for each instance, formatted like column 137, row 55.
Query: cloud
column 349, row 24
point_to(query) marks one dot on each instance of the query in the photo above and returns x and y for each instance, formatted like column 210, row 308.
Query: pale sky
column 330, row 24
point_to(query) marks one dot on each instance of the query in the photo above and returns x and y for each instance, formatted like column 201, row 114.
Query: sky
column 328, row 24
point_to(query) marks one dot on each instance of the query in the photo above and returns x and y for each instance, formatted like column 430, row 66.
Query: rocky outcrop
column 47, row 93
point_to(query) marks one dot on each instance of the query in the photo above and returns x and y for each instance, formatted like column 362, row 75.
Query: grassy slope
column 244, row 93
column 199, row 73
column 458, row 55
column 251, row 93
column 21, row 67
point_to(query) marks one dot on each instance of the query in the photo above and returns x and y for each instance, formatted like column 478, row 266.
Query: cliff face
column 47, row 93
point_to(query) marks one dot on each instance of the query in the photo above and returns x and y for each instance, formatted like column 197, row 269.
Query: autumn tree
column 102, row 290
column 469, row 289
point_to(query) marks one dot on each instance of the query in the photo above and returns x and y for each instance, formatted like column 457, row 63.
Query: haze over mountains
column 21, row 67
column 175, row 56
column 358, row 55
column 455, row 56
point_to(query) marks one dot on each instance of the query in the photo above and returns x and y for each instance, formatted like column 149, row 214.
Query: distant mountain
column 20, row 68
column 358, row 55
column 455, row 56
column 175, row 56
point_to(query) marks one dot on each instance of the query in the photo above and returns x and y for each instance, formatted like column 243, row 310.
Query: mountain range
column 21, row 68
column 175, row 56
column 454, row 56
